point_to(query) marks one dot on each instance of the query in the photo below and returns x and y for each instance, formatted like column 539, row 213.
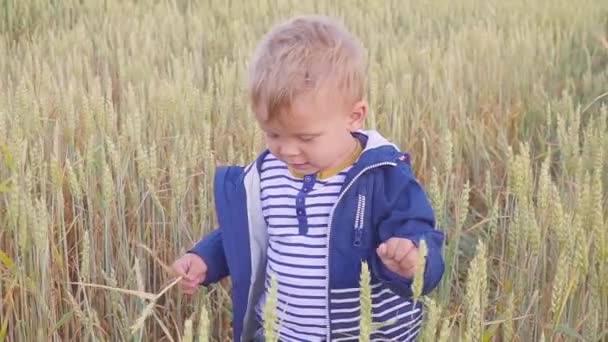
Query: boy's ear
column 357, row 115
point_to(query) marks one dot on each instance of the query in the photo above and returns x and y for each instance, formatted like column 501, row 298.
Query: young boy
column 323, row 198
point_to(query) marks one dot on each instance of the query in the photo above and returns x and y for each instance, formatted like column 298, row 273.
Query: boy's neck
column 346, row 162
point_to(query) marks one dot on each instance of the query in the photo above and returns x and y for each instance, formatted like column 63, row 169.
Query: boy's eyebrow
column 309, row 135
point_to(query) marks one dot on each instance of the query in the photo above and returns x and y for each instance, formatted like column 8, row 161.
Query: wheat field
column 114, row 115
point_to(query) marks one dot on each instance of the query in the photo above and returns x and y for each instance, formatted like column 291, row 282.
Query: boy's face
column 315, row 133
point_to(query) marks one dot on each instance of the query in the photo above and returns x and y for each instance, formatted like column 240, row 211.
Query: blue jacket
column 399, row 208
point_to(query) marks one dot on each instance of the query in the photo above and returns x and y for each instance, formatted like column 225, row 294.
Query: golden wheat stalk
column 188, row 333
column 270, row 311
column 418, row 283
column 507, row 325
column 475, row 294
column 139, row 323
column 365, row 303
column 444, row 333
column 431, row 322
column 203, row 325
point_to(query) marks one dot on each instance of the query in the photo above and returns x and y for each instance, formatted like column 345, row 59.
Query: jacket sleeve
column 408, row 214
column 211, row 250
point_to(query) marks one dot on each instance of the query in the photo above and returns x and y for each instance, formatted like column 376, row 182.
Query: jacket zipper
column 330, row 223
column 359, row 220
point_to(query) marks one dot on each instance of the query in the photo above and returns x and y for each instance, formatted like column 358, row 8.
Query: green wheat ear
column 270, row 311
column 418, row 283
column 366, row 324
column 431, row 322
column 476, row 294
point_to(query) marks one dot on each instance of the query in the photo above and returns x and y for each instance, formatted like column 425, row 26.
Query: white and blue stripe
column 297, row 214
column 405, row 318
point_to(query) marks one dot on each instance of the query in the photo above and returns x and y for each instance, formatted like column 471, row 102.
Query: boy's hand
column 194, row 270
column 399, row 255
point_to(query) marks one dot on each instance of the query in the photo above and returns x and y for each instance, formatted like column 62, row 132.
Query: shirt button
column 307, row 179
column 300, row 212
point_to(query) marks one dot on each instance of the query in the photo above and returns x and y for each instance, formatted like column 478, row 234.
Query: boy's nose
column 289, row 150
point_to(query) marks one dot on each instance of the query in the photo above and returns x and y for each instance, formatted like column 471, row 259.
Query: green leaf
column 568, row 331
column 490, row 332
column 9, row 308
column 8, row 157
column 6, row 260
column 63, row 320
column 4, row 329
column 4, row 187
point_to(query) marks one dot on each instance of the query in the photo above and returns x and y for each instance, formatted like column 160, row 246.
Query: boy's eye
column 272, row 135
column 308, row 138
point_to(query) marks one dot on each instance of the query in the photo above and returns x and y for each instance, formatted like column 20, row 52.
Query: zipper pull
column 358, row 236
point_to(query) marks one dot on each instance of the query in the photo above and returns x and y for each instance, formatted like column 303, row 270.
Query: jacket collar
column 377, row 149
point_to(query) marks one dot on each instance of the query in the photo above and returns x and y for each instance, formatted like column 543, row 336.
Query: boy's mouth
column 299, row 166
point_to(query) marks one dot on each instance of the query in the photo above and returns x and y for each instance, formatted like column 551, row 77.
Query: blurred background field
column 114, row 114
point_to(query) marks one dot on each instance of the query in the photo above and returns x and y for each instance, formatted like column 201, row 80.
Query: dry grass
column 114, row 114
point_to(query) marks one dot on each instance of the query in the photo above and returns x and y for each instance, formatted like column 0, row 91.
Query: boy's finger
column 409, row 261
column 388, row 262
column 401, row 251
column 187, row 285
column 182, row 273
column 391, row 265
column 391, row 248
column 180, row 268
column 382, row 254
column 408, row 249
column 408, row 271
column 188, row 278
column 413, row 256
column 196, row 276
column 185, row 282
column 381, row 250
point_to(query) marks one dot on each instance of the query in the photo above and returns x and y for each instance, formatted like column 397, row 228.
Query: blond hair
column 302, row 55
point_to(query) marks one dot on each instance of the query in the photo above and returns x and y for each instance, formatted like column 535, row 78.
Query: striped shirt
column 297, row 212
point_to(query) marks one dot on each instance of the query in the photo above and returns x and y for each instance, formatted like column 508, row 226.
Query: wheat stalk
column 89, row 86
column 418, row 282
column 270, row 311
column 476, row 287
column 188, row 333
column 507, row 326
column 433, row 315
column 149, row 309
column 203, row 325
column 365, row 304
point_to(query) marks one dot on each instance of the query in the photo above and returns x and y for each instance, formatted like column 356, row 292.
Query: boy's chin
column 305, row 169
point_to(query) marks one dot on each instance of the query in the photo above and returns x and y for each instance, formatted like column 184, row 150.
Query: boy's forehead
column 299, row 123
column 309, row 120
column 304, row 107
column 323, row 101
